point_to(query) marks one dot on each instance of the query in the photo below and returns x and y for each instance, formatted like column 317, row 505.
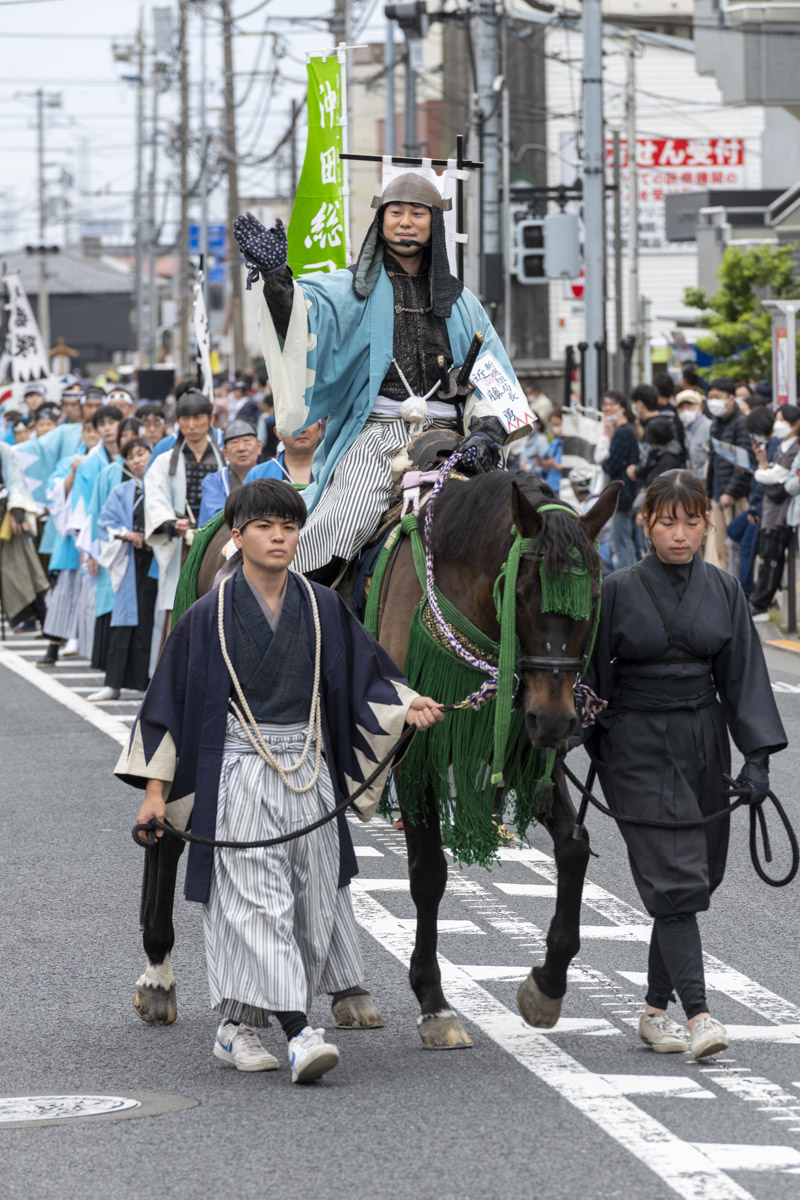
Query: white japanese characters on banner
column 667, row 167
column 317, row 240
column 24, row 350
column 503, row 393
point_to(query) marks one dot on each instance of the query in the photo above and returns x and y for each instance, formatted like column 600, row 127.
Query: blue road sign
column 217, row 240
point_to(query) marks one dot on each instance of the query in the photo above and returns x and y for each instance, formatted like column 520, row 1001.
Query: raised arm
column 265, row 254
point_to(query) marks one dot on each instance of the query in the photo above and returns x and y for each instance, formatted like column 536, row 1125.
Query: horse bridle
column 551, row 662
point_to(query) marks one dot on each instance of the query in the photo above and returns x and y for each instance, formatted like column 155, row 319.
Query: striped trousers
column 278, row 929
column 63, row 601
column 359, row 492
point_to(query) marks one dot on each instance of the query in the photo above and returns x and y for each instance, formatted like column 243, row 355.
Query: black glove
column 265, row 251
column 481, row 450
column 755, row 775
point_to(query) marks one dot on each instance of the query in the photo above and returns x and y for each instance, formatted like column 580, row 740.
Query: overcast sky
column 65, row 47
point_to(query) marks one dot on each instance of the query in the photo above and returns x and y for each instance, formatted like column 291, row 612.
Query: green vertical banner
column 316, row 229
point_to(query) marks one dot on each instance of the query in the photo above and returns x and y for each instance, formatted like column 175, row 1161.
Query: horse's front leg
column 439, row 1027
column 155, row 1000
column 539, row 996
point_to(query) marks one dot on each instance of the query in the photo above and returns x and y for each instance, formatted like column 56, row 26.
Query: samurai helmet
column 412, row 188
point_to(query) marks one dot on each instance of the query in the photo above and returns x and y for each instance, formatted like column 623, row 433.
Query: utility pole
column 593, row 195
column 183, row 234
column 205, row 143
column 232, row 172
column 138, row 199
column 389, row 141
column 152, row 282
column 487, row 54
column 293, row 149
column 618, row 364
column 634, row 299
column 43, row 298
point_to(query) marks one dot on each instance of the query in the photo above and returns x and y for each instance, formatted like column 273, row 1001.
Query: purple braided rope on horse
column 488, row 689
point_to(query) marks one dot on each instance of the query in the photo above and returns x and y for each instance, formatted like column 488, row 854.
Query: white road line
column 76, row 674
column 659, row 1085
column 719, row 975
column 103, row 721
column 617, row 933
column 752, row 1158
column 369, row 852
column 680, row 1165
column 741, row 989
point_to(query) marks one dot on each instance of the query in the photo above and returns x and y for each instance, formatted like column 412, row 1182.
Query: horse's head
column 556, row 600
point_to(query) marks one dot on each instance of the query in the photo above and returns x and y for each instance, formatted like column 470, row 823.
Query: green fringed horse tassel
column 507, row 619
column 186, row 591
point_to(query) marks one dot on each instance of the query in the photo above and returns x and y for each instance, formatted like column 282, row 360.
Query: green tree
column 740, row 338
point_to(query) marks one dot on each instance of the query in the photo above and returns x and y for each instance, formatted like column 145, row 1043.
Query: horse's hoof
column 442, row 1031
column 156, row 1006
column 356, row 1012
column 536, row 1008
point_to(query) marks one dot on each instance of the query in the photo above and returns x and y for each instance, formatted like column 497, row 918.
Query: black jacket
column 723, row 477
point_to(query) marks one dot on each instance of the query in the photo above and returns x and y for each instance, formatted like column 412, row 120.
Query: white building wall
column 672, row 100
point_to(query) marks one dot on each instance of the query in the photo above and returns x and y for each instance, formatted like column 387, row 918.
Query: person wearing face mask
column 616, row 450
column 776, row 533
column 728, row 485
column 689, row 404
column 744, row 529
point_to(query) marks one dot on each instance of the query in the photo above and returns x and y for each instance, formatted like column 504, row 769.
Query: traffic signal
column 412, row 17
column 529, row 246
column 562, row 246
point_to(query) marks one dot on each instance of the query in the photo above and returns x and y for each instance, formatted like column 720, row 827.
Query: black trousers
column 772, row 546
column 127, row 663
column 676, row 962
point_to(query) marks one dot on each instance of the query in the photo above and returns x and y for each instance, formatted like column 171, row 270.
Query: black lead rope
column 758, row 822
column 148, row 828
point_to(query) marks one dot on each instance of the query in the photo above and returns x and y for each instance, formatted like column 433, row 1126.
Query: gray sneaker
column 662, row 1034
column 240, row 1046
column 707, row 1036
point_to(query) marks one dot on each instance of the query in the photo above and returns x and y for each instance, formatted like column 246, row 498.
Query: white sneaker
column 760, row 618
column 240, row 1046
column 310, row 1056
column 662, row 1034
column 103, row 695
column 71, row 649
column 707, row 1036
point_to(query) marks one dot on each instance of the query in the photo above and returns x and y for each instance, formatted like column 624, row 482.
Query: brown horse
column 471, row 536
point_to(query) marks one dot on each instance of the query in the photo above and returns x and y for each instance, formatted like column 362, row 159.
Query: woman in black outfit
column 681, row 666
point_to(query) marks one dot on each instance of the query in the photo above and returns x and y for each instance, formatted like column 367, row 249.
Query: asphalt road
column 582, row 1111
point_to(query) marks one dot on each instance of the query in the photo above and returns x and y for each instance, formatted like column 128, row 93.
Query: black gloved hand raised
column 755, row 775
column 265, row 251
column 481, row 450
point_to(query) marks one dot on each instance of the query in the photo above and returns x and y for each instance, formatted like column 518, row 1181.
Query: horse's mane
column 472, row 523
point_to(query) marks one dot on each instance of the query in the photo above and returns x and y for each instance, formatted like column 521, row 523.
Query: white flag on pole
column 202, row 337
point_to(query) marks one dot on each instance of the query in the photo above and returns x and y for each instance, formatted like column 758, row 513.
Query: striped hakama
column 86, row 618
column 62, row 606
column 278, row 929
column 349, row 510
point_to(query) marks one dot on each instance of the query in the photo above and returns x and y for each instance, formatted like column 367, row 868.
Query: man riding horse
column 374, row 348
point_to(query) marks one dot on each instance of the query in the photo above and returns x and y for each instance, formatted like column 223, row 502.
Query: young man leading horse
column 269, row 702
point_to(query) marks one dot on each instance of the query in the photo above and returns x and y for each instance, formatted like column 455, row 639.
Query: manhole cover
column 19, row 1112
column 49, row 1108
